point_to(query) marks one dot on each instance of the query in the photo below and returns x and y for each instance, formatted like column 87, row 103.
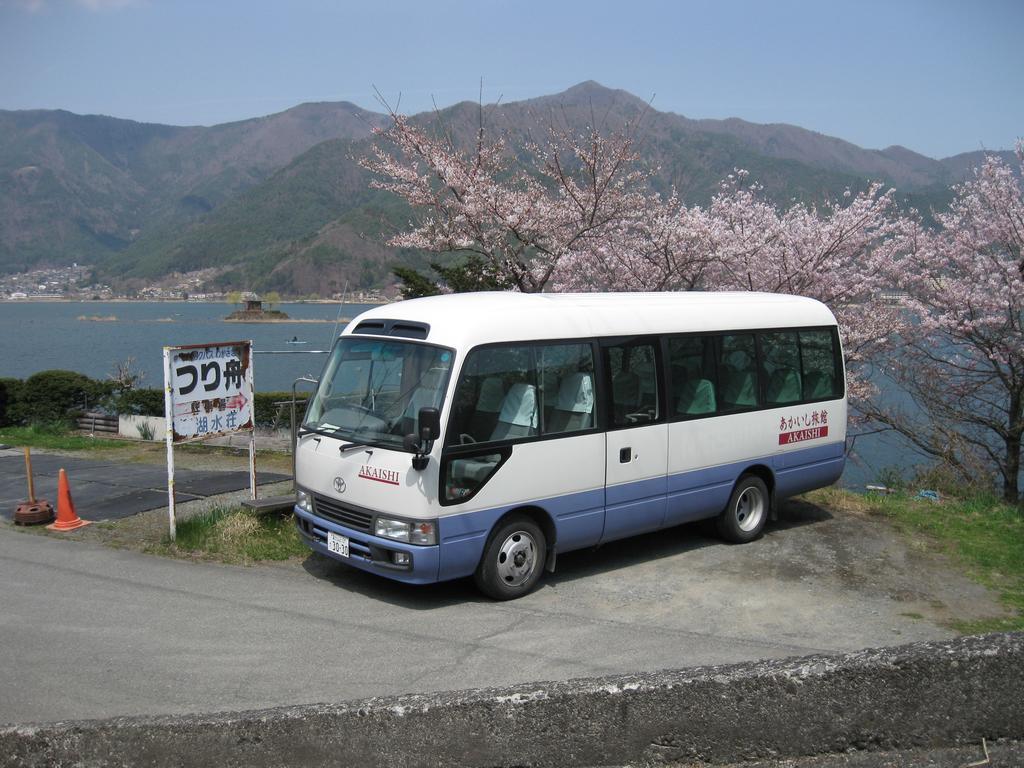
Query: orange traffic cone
column 67, row 520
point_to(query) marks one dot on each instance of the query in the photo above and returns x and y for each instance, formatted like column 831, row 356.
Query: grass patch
column 980, row 531
column 55, row 437
column 235, row 535
column 187, row 455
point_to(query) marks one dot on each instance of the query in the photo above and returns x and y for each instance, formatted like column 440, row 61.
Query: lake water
column 38, row 336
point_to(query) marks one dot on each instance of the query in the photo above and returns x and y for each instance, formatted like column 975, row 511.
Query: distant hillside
column 307, row 227
column 279, row 202
column 81, row 188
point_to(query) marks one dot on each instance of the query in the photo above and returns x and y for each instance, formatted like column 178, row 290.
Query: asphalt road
column 108, row 489
column 88, row 631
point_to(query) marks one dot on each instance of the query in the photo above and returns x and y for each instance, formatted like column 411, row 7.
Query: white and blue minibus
column 483, row 434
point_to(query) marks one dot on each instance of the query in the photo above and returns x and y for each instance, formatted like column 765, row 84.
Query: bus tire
column 513, row 560
column 744, row 516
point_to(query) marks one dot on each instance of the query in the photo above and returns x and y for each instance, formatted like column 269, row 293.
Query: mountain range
column 279, row 202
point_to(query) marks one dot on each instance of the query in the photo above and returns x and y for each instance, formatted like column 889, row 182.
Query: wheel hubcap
column 517, row 559
column 749, row 509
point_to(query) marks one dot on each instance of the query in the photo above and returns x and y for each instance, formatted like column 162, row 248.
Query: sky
column 937, row 76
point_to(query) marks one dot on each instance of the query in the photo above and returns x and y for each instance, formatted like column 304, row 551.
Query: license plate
column 336, row 544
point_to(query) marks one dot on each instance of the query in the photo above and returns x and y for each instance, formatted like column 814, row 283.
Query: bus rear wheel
column 744, row 516
column 513, row 560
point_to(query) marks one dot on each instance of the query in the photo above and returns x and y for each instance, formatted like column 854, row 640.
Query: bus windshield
column 373, row 389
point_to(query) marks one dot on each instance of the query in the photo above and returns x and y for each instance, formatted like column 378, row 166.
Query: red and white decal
column 389, row 476
column 814, row 426
column 802, row 434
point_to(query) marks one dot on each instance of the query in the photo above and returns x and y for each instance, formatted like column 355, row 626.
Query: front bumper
column 370, row 553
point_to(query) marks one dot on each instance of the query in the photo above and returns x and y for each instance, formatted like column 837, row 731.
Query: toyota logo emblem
column 339, row 485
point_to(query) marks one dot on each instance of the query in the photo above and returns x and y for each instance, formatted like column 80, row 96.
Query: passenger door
column 637, row 444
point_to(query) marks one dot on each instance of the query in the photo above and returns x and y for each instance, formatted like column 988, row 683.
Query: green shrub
column 50, row 397
column 267, row 414
column 949, row 481
column 145, row 430
column 55, row 396
column 10, row 390
column 892, row 478
column 140, row 402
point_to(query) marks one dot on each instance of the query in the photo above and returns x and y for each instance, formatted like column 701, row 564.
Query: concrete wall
column 926, row 694
column 128, row 426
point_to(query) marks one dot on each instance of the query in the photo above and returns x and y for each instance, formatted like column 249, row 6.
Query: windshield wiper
column 352, row 446
column 304, row 430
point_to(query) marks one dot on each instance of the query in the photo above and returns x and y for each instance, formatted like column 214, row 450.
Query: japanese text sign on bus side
column 211, row 390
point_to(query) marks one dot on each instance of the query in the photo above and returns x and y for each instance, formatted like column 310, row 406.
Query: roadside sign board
column 211, row 390
column 208, row 392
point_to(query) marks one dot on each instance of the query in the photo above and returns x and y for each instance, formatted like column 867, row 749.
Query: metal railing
column 294, row 427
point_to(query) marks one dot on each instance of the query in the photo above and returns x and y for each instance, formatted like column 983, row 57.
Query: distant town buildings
column 76, row 283
column 52, row 283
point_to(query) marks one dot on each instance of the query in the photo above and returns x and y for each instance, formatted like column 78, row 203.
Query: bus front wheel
column 513, row 560
column 744, row 516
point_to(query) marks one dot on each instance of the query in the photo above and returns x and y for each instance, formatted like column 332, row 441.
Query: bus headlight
column 391, row 529
column 302, row 501
column 421, row 532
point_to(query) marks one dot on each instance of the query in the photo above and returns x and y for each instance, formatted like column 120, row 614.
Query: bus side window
column 821, row 377
column 632, row 369
column 490, row 394
column 496, row 383
column 464, row 476
column 691, row 359
column 568, row 374
column 737, row 372
column 510, row 392
column 780, row 364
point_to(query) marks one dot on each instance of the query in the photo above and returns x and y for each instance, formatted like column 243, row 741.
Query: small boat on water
column 295, row 340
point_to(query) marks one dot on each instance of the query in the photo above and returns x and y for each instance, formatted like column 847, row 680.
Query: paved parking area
column 108, row 490
column 90, row 631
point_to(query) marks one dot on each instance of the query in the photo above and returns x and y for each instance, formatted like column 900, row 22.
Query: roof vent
column 402, row 328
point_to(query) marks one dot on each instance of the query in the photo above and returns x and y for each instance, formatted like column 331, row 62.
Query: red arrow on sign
column 237, row 402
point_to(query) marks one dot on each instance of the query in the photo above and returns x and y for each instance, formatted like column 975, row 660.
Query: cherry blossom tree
column 576, row 212
column 963, row 362
column 661, row 246
column 843, row 253
column 521, row 219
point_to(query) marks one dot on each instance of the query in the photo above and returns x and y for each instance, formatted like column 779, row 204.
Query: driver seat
column 518, row 416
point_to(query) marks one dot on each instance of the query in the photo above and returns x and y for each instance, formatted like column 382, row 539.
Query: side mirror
column 429, row 422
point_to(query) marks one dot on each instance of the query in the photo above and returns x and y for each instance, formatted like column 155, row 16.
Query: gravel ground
column 1000, row 754
column 809, row 553
column 821, row 579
